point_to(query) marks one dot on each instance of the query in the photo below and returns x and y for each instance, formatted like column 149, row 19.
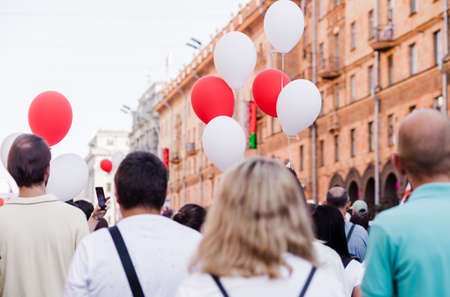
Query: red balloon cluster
column 267, row 87
column 50, row 116
column 106, row 165
column 212, row 97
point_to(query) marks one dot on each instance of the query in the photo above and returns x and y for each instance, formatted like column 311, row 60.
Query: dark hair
column 28, row 160
column 360, row 219
column 141, row 180
column 102, row 223
column 191, row 215
column 330, row 228
column 85, row 206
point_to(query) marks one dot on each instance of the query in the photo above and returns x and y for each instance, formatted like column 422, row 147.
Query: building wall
column 194, row 179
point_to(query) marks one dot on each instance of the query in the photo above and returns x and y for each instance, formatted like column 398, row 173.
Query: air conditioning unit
column 190, row 148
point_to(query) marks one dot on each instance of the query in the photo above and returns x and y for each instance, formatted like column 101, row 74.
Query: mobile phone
column 101, row 197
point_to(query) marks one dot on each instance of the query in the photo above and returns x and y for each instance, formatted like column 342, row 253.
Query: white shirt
column 160, row 250
column 354, row 273
column 322, row 284
column 329, row 260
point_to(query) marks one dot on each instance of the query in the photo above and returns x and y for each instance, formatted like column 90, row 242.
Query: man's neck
column 33, row 191
column 138, row 211
column 342, row 211
column 415, row 183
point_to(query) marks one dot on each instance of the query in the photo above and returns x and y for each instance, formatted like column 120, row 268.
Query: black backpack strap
column 308, row 282
column 349, row 235
column 219, row 284
column 127, row 264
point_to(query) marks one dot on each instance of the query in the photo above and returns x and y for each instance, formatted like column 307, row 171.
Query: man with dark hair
column 409, row 250
column 38, row 233
column 146, row 253
column 357, row 236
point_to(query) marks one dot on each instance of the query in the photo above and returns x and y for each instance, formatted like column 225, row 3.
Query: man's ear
column 398, row 164
column 115, row 194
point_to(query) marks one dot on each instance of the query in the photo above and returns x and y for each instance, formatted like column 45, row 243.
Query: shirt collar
column 31, row 200
column 435, row 190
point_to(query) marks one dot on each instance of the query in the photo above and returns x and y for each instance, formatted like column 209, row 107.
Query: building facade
column 374, row 62
column 104, row 145
column 144, row 134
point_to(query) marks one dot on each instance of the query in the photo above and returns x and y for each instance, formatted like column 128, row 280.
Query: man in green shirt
column 409, row 246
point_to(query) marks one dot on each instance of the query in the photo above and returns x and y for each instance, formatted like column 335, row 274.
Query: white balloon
column 6, row 146
column 284, row 24
column 224, row 142
column 235, row 58
column 298, row 106
column 68, row 176
column 117, row 159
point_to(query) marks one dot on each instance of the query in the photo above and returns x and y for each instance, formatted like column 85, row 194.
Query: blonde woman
column 258, row 240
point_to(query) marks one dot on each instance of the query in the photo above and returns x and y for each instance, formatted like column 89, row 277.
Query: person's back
column 38, row 239
column 159, row 248
column 409, row 246
column 38, row 233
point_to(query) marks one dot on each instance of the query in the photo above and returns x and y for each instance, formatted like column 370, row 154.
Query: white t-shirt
column 354, row 273
column 160, row 250
column 323, row 284
column 329, row 260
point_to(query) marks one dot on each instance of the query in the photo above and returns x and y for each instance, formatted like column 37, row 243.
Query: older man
column 409, row 246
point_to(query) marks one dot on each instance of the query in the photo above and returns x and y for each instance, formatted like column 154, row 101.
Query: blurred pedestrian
column 330, row 228
column 409, row 246
column 38, row 232
column 356, row 235
column 258, row 239
column 192, row 216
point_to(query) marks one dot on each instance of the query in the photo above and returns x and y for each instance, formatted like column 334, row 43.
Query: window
column 391, row 130
column 353, row 37
column 321, row 9
column 336, row 49
column 336, row 96
column 321, row 156
column 371, row 137
column 272, row 125
column 353, row 87
column 108, row 188
column 336, row 3
column 370, row 78
column 412, row 6
column 336, row 148
column 439, row 103
column 322, row 97
column 437, row 41
column 321, row 55
column 412, row 59
column 352, row 142
column 371, row 25
column 412, row 108
column 110, row 141
column 301, row 158
column 390, row 10
column 390, row 69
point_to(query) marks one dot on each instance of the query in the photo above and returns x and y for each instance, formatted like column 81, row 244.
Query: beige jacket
column 38, row 237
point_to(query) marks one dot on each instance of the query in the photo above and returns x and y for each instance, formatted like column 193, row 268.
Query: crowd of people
column 259, row 237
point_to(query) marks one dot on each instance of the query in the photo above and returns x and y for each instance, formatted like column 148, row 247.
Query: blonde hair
column 258, row 215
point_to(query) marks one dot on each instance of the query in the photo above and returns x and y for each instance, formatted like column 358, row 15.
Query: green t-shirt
column 409, row 247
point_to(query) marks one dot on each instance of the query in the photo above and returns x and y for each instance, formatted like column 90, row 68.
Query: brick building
column 374, row 62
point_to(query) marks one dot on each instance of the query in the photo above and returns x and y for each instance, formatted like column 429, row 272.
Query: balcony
column 385, row 39
column 175, row 159
column 190, row 149
column 329, row 68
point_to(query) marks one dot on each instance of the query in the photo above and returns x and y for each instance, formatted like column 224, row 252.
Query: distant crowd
column 259, row 237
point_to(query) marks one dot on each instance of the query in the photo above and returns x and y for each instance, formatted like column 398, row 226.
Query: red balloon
column 50, row 116
column 266, row 89
column 106, row 165
column 212, row 97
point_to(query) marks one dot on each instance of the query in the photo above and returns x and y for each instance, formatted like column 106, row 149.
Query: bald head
column 337, row 197
column 424, row 144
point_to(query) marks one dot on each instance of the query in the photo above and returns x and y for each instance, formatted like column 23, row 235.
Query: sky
column 99, row 53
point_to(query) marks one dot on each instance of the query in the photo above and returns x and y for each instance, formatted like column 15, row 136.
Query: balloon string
column 282, row 70
column 290, row 152
column 235, row 103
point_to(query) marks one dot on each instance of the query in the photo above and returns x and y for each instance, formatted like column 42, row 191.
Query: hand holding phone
column 101, row 197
